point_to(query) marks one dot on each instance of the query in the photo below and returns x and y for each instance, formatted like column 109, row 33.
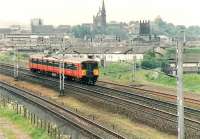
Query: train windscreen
column 89, row 67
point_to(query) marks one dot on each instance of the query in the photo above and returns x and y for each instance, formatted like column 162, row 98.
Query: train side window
column 32, row 60
column 44, row 62
column 70, row 66
column 35, row 61
column 39, row 61
column 67, row 65
column 73, row 67
column 56, row 64
column 50, row 63
column 47, row 63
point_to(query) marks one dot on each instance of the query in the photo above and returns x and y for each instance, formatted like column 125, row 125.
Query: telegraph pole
column 16, row 62
column 180, row 96
column 134, row 62
column 62, row 69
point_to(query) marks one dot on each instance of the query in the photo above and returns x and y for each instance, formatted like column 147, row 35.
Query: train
column 76, row 69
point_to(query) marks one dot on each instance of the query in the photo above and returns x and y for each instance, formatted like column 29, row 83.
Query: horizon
column 66, row 12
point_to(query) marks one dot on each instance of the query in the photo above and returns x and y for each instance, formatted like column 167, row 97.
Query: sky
column 72, row 12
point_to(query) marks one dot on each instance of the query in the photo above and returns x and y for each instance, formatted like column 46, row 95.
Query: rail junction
column 154, row 112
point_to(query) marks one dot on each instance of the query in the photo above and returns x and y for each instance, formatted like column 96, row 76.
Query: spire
column 103, row 15
column 103, row 8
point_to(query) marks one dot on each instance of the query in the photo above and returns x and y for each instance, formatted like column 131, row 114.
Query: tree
column 152, row 61
column 81, row 31
column 160, row 27
column 117, row 31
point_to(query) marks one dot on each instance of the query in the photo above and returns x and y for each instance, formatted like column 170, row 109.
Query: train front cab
column 90, row 71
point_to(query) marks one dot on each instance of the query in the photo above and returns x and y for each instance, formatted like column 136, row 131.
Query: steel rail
column 31, row 96
column 121, row 100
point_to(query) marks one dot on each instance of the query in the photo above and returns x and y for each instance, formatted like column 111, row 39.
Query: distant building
column 141, row 34
column 191, row 63
column 63, row 29
column 145, row 28
column 5, row 30
column 36, row 22
column 38, row 27
column 99, row 21
column 133, row 27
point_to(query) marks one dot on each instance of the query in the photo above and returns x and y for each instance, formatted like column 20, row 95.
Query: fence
column 52, row 130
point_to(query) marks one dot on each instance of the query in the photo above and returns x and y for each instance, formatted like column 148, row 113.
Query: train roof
column 57, row 59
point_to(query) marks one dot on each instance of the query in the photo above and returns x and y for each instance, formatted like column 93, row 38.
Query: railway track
column 94, row 130
column 123, row 95
column 134, row 103
column 139, row 89
column 153, row 93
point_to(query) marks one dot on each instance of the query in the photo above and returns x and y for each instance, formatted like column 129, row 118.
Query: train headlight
column 83, row 72
column 96, row 72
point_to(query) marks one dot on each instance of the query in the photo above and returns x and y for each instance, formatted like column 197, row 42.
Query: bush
column 151, row 61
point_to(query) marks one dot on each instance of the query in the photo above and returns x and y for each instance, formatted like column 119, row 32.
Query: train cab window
column 90, row 65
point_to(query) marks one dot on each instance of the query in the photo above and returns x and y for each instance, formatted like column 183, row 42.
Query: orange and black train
column 78, row 69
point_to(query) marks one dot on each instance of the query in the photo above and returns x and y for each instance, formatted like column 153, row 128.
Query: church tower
column 99, row 21
column 103, row 15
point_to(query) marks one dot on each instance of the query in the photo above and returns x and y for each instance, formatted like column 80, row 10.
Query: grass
column 23, row 124
column 120, row 72
column 8, row 57
column 105, row 117
column 122, row 123
column 190, row 81
column 187, row 50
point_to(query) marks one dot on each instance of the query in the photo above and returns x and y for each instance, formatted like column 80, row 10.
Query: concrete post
column 180, row 97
